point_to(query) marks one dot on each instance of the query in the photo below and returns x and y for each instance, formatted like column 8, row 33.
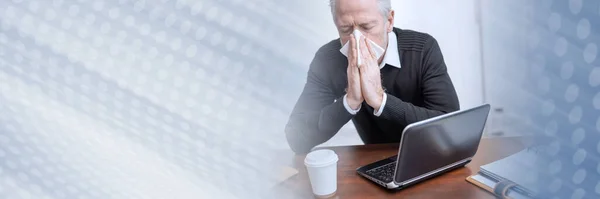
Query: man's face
column 363, row 15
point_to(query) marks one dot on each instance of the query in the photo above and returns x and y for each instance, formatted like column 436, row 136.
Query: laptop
column 429, row 148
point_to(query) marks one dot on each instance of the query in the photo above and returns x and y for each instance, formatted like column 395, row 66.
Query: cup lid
column 320, row 158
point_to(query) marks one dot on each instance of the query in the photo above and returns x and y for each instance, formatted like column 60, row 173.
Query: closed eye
column 346, row 29
column 368, row 27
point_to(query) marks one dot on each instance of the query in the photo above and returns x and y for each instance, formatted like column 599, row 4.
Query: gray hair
column 385, row 6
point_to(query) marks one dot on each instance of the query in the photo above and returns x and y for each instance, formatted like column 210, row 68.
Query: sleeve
column 380, row 110
column 437, row 88
column 318, row 114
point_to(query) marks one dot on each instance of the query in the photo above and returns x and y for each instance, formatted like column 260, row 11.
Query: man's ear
column 390, row 21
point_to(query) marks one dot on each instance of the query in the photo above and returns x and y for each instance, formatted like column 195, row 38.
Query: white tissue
column 378, row 50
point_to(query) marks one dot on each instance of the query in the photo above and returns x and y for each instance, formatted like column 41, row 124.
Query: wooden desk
column 351, row 185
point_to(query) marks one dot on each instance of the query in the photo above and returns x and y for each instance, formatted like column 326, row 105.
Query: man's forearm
column 397, row 110
column 309, row 129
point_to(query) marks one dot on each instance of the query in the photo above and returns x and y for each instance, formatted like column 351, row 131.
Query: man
column 381, row 96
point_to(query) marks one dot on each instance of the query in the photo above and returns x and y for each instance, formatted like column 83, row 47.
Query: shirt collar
column 392, row 56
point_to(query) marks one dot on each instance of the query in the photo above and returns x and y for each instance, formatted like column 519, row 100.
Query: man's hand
column 354, row 94
column 370, row 77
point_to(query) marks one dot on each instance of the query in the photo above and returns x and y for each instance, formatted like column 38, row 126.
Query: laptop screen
column 439, row 142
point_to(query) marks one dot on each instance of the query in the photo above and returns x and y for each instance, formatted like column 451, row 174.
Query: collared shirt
column 392, row 58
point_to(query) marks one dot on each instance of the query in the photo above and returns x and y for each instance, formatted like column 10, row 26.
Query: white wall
column 452, row 23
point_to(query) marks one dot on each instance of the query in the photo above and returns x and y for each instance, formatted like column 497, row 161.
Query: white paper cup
column 322, row 172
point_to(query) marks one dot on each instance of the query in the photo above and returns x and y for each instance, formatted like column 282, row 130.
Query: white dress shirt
column 392, row 58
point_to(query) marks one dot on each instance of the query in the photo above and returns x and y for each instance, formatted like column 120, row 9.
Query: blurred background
column 565, row 75
column 189, row 98
column 141, row 98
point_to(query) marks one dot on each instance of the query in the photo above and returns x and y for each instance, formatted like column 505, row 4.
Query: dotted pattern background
column 146, row 98
column 565, row 74
column 186, row 98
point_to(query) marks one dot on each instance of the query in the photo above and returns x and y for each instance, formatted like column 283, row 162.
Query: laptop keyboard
column 384, row 173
